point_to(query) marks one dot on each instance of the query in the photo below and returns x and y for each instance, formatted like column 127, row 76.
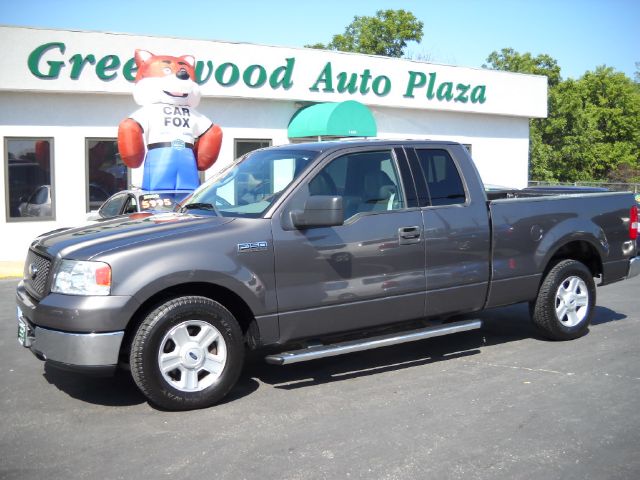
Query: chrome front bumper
column 77, row 349
column 81, row 350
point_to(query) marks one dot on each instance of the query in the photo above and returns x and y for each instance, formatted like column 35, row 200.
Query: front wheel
column 565, row 302
column 187, row 353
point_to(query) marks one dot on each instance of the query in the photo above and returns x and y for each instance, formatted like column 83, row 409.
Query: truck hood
column 90, row 240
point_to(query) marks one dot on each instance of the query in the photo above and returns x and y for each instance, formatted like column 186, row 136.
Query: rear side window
column 442, row 176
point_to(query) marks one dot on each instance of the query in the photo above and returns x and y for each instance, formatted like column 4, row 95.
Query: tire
column 187, row 353
column 565, row 303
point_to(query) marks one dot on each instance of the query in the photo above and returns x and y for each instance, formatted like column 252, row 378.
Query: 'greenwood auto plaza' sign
column 66, row 61
column 48, row 61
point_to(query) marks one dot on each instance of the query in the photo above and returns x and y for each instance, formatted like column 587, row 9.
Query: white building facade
column 63, row 94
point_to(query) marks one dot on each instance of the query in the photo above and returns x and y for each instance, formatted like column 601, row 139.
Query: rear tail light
column 633, row 223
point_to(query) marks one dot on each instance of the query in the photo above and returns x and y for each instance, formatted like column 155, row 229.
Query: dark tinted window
column 367, row 182
column 246, row 145
column 29, row 167
column 113, row 206
column 443, row 178
column 107, row 172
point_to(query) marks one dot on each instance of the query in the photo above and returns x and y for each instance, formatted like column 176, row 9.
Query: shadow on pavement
column 116, row 391
column 500, row 325
column 397, row 357
column 120, row 389
column 606, row 315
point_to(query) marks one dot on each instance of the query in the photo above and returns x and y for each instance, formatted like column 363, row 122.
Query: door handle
column 409, row 235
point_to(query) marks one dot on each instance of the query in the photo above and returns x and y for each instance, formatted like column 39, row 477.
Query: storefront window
column 29, row 179
column 107, row 174
column 247, row 145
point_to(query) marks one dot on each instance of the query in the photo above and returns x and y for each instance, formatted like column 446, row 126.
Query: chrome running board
column 321, row 351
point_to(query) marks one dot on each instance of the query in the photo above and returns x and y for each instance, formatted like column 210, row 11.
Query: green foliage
column 511, row 61
column 385, row 34
column 592, row 131
column 593, row 126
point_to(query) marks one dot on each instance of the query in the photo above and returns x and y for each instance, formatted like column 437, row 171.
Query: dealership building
column 63, row 94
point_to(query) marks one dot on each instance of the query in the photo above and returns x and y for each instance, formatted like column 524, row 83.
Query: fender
column 574, row 229
column 244, row 289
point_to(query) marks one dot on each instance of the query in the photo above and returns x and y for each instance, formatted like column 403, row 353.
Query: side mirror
column 319, row 211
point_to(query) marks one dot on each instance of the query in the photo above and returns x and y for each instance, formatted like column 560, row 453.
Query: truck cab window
column 367, row 181
column 442, row 176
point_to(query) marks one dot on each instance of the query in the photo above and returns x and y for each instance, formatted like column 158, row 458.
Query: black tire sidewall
column 544, row 309
column 147, row 342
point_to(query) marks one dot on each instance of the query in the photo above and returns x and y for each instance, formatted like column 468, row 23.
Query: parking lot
column 494, row 403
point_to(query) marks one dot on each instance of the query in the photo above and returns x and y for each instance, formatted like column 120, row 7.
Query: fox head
column 165, row 79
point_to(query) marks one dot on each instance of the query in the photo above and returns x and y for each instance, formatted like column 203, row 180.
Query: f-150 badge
column 252, row 246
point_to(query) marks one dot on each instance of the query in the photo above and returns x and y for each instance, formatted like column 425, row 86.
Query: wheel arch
column 582, row 251
column 226, row 297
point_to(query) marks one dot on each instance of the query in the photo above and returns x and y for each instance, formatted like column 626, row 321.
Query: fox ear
column 189, row 59
column 142, row 56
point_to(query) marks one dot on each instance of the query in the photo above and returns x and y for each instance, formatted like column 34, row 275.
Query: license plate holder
column 24, row 331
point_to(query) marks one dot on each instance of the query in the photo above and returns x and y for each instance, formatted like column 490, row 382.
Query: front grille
column 39, row 265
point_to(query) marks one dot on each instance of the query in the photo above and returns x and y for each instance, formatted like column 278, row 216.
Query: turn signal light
column 103, row 276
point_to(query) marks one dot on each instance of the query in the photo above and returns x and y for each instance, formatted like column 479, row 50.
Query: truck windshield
column 250, row 185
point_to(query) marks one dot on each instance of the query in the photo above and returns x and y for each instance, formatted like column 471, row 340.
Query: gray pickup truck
column 315, row 250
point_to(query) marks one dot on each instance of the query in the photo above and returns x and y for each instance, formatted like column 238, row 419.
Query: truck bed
column 527, row 228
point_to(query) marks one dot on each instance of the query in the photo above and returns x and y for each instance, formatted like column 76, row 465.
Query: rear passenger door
column 456, row 224
column 368, row 271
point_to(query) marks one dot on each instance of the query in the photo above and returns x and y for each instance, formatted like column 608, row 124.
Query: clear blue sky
column 579, row 34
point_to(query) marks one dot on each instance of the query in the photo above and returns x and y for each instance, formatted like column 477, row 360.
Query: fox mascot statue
column 172, row 139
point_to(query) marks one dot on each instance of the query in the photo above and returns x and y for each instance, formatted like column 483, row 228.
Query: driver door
column 364, row 273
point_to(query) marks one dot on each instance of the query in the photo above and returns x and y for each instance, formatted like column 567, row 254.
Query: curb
column 11, row 270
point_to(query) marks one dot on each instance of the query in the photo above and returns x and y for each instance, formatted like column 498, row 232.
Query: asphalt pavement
column 499, row 403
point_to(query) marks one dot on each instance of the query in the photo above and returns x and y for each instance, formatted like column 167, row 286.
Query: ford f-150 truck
column 314, row 250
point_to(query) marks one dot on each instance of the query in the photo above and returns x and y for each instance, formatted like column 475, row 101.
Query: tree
column 511, row 61
column 385, row 34
column 593, row 126
column 592, row 131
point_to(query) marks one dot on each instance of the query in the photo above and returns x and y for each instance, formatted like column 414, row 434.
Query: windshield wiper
column 200, row 206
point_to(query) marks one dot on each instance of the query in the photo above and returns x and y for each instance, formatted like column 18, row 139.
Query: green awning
column 344, row 119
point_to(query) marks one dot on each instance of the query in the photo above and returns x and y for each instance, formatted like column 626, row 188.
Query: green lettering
column 54, row 67
column 281, row 76
column 364, row 81
column 234, row 76
column 351, row 86
column 324, row 77
column 416, row 80
column 445, row 91
column 106, row 64
column 462, row 92
column 248, row 73
column 478, row 94
column 386, row 87
column 77, row 64
column 432, row 84
column 200, row 68
column 130, row 69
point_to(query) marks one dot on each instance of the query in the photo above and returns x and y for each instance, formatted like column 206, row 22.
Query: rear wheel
column 565, row 302
column 187, row 353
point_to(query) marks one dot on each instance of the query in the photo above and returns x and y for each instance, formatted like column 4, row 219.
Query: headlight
column 75, row 277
